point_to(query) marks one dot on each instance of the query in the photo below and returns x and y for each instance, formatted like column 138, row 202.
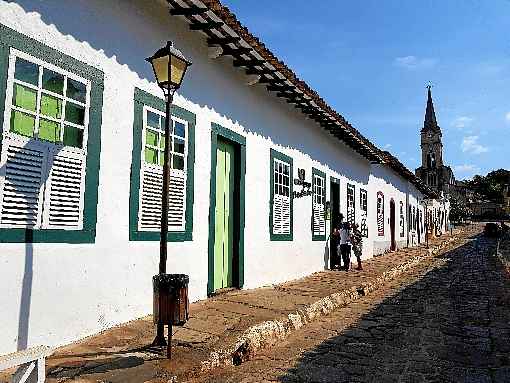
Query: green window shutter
column 151, row 174
column 281, row 198
column 42, row 179
column 147, row 172
column 318, row 205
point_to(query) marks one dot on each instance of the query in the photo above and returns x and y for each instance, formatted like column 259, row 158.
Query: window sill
column 46, row 236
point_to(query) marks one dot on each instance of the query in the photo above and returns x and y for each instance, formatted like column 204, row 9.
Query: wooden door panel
column 224, row 217
column 219, row 217
column 229, row 216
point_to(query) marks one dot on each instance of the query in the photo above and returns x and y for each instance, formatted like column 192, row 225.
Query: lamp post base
column 159, row 340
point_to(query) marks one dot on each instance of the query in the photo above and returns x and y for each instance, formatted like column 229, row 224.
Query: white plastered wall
column 62, row 292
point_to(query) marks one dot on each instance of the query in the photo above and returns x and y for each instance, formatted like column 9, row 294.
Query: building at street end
column 262, row 166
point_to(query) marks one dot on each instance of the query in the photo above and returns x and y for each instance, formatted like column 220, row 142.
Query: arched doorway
column 392, row 225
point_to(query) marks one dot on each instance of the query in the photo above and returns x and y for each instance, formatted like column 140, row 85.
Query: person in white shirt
column 345, row 244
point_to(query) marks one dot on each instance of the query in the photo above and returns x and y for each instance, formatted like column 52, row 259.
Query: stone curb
column 267, row 334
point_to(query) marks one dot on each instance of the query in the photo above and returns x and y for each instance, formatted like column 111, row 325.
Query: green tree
column 491, row 186
column 459, row 211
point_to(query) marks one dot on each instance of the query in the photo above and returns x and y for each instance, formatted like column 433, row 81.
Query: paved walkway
column 446, row 321
column 121, row 354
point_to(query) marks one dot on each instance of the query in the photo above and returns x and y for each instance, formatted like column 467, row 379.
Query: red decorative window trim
column 380, row 214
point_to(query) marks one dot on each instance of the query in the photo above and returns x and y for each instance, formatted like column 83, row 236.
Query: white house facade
column 80, row 166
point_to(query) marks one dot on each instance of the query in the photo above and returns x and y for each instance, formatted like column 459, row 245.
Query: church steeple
column 432, row 171
column 430, row 122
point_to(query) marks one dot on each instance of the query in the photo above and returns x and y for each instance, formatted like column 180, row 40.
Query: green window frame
column 276, row 157
column 145, row 101
column 11, row 40
column 318, row 203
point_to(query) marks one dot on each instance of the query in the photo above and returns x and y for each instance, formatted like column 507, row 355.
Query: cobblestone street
column 446, row 321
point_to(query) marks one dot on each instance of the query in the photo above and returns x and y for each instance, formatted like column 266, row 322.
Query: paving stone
column 190, row 336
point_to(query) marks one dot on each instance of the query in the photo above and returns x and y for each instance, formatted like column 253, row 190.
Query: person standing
column 357, row 245
column 345, row 244
column 335, row 244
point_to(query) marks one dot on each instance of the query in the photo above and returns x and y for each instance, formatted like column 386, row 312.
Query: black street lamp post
column 169, row 66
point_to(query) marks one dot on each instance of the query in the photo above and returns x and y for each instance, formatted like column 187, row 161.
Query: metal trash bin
column 171, row 302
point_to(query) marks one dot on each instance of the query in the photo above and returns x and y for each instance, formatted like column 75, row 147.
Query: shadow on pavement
column 101, row 362
column 452, row 325
column 95, row 366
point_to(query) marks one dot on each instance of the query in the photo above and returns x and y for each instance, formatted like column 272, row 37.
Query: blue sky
column 371, row 61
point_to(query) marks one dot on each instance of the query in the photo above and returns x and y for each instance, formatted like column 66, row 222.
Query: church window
column 432, row 180
column 431, row 160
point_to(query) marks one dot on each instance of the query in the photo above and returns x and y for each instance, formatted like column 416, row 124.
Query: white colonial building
column 80, row 168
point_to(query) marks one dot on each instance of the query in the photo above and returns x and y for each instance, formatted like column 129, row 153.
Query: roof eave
column 223, row 30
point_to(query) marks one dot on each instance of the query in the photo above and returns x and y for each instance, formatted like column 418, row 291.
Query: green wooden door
column 224, row 217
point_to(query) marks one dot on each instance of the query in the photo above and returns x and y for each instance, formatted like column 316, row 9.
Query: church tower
column 432, row 171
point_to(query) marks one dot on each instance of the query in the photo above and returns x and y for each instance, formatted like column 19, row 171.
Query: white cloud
column 387, row 146
column 466, row 168
column 413, row 62
column 507, row 117
column 470, row 145
column 462, row 122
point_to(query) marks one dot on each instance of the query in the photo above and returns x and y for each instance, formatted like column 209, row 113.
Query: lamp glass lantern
column 169, row 66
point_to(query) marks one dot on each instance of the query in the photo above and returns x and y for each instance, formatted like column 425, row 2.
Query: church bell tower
column 432, row 169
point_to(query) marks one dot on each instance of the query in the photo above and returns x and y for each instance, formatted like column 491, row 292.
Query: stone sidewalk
column 228, row 328
column 446, row 320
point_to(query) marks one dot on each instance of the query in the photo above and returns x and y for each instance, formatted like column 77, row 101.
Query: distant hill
column 490, row 187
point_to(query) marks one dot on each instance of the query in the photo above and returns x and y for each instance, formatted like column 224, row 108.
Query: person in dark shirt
column 335, row 245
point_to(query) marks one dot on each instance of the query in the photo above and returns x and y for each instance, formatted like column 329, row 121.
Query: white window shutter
column 22, row 169
column 176, row 200
column 277, row 214
column 63, row 202
column 319, row 225
column 149, row 215
column 281, row 214
column 285, row 215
